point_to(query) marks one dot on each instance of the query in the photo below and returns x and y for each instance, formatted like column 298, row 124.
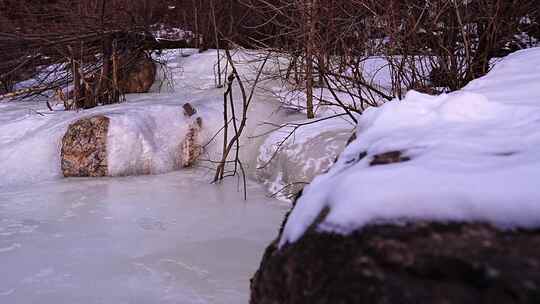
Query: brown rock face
column 423, row 262
column 191, row 148
column 84, row 148
column 138, row 75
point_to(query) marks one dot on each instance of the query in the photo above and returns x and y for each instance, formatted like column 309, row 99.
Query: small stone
column 389, row 158
column 189, row 110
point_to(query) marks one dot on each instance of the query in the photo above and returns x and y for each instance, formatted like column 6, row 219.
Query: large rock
column 416, row 262
column 84, row 148
column 138, row 73
column 421, row 262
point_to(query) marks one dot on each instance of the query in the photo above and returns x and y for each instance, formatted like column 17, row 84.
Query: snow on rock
column 149, row 141
column 291, row 157
column 152, row 140
column 474, row 156
column 144, row 137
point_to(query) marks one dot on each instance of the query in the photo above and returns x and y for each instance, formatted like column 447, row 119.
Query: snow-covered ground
column 474, row 156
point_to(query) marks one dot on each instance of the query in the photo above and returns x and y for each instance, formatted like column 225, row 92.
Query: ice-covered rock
column 192, row 145
column 292, row 156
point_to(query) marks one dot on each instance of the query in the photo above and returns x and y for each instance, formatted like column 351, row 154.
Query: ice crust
column 170, row 238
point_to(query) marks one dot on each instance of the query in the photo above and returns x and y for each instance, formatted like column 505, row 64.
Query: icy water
column 172, row 238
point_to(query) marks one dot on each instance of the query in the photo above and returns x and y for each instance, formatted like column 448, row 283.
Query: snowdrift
column 472, row 155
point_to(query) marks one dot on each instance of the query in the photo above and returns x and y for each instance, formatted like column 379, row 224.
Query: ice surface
column 292, row 156
column 475, row 156
column 170, row 238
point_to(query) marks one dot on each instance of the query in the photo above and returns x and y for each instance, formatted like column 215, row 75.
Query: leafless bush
column 431, row 46
column 81, row 44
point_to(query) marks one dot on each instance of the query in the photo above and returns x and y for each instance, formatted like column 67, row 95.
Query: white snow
column 475, row 156
column 147, row 138
column 174, row 238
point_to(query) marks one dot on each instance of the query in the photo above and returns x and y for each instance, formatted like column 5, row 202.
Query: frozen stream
column 170, row 238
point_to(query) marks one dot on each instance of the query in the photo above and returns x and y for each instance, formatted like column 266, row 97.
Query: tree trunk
column 309, row 10
column 77, row 96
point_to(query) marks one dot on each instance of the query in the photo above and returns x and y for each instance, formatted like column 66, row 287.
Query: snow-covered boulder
column 424, row 262
column 84, row 147
column 436, row 201
column 135, row 143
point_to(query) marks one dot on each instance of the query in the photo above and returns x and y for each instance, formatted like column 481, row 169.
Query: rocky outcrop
column 138, row 73
column 422, row 262
column 84, row 148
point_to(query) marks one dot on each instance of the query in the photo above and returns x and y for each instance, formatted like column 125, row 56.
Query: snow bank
column 475, row 156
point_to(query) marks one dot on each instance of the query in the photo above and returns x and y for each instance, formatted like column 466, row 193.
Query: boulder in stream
column 420, row 262
column 84, row 148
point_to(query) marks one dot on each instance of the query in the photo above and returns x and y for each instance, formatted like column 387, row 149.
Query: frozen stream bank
column 171, row 238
